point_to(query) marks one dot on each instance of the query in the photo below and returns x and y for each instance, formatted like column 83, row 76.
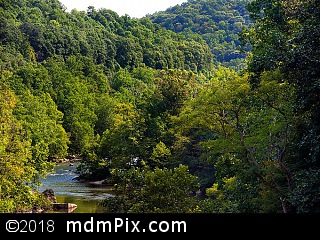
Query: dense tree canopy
column 218, row 22
column 209, row 106
column 285, row 38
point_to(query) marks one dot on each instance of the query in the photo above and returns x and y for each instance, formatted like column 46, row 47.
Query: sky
column 134, row 8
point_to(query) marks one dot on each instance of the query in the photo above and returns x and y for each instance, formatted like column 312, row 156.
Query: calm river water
column 67, row 190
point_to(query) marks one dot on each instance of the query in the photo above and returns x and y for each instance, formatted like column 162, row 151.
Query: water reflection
column 67, row 190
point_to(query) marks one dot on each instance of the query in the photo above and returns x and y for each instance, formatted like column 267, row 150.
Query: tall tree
column 285, row 36
column 17, row 168
column 141, row 190
column 250, row 133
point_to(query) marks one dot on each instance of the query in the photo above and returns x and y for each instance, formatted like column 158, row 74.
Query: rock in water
column 49, row 194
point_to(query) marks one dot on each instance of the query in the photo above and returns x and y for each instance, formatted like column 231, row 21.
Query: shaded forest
column 211, row 106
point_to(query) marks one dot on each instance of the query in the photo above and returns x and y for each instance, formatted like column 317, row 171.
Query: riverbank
column 75, row 159
column 67, row 188
column 68, row 159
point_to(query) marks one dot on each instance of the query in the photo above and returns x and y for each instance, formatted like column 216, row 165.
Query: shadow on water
column 67, row 190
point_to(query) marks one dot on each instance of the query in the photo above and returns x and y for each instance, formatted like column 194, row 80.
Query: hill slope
column 218, row 22
column 37, row 30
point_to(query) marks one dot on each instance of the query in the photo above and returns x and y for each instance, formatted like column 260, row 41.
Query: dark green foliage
column 47, row 30
column 217, row 22
column 158, row 191
column 149, row 109
column 286, row 37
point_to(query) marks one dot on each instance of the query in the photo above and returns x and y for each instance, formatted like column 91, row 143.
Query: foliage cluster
column 218, row 22
column 150, row 113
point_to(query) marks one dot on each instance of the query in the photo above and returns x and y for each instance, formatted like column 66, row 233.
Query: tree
column 42, row 122
column 121, row 143
column 251, row 130
column 17, row 168
column 153, row 191
column 285, row 37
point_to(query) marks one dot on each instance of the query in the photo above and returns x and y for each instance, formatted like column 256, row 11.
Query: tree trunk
column 287, row 207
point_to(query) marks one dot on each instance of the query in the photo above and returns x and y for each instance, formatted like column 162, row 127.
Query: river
column 67, row 190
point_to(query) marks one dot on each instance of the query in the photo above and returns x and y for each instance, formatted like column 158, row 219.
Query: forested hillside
column 166, row 109
column 218, row 22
